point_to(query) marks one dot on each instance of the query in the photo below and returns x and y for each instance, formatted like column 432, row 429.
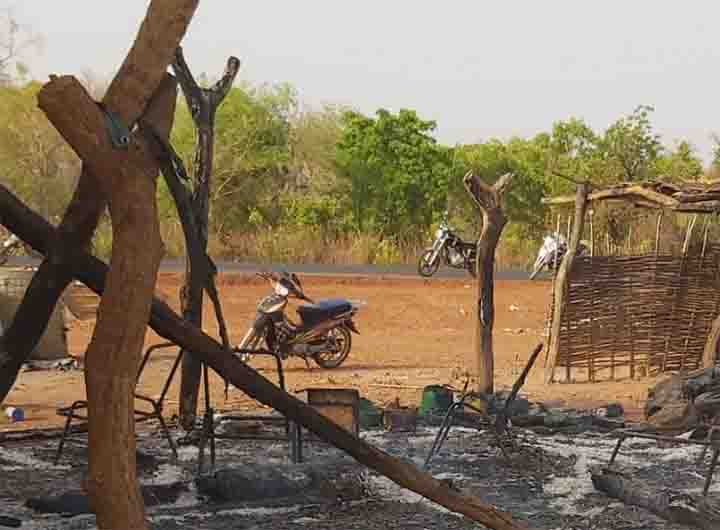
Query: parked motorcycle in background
column 552, row 252
column 448, row 248
column 10, row 246
column 323, row 333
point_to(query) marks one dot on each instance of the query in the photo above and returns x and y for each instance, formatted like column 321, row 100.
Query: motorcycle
column 450, row 249
column 552, row 252
column 323, row 333
column 10, row 246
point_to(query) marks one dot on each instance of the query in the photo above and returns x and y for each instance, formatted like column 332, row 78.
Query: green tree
column 34, row 158
column 252, row 154
column 15, row 40
column 681, row 164
column 394, row 171
column 630, row 147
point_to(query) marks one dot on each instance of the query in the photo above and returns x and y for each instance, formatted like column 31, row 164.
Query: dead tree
column 203, row 104
column 37, row 232
column 489, row 200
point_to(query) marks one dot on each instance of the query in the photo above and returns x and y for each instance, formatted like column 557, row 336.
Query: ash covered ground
column 546, row 484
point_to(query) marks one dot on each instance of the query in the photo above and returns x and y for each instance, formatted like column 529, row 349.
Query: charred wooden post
column 489, row 200
column 676, row 507
column 562, row 281
column 37, row 232
column 203, row 104
column 502, row 417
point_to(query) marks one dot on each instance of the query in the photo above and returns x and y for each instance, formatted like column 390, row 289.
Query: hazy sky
column 478, row 68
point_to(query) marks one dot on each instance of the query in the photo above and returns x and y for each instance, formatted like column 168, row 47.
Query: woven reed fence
column 645, row 314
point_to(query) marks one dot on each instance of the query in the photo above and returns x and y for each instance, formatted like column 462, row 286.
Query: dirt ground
column 414, row 332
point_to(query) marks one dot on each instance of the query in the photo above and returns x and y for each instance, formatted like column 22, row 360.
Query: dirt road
column 413, row 333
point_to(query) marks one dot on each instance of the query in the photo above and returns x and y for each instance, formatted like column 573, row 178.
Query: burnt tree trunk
column 127, row 97
column 203, row 104
column 34, row 230
column 489, row 200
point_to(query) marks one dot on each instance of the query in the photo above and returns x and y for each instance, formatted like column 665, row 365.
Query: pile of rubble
column 684, row 403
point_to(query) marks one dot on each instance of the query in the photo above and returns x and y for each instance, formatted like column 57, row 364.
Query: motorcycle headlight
column 439, row 233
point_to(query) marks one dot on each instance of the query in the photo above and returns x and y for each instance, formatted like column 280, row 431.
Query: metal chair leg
column 443, row 432
column 66, row 430
column 166, row 431
column 616, row 450
column 711, row 471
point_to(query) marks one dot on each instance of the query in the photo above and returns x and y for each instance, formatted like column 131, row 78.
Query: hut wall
column 645, row 313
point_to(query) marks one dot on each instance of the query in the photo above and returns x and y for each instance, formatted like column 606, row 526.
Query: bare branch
column 190, row 88
column 223, row 86
column 502, row 183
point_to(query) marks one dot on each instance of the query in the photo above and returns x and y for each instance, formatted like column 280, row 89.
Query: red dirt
column 413, row 333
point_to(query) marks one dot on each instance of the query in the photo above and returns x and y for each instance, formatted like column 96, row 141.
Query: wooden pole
column 658, row 228
column 592, row 233
column 562, row 283
column 488, row 199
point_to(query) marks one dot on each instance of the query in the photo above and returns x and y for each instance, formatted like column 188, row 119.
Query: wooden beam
column 647, row 197
column 562, row 281
column 37, row 232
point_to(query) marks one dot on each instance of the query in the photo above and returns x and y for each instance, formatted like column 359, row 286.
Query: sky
column 479, row 69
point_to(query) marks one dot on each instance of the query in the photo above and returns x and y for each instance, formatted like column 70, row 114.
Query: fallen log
column 673, row 506
column 37, row 232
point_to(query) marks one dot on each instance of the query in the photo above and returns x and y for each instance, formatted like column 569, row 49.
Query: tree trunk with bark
column 489, row 200
column 165, row 322
column 203, row 104
column 114, row 352
column 124, row 172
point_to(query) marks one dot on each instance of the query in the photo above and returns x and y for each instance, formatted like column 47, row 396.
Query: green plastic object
column 370, row 415
column 436, row 399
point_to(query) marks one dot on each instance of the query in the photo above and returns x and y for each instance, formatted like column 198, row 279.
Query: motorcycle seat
column 323, row 310
column 465, row 245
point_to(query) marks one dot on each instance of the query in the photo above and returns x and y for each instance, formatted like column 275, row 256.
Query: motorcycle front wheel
column 343, row 342
column 427, row 268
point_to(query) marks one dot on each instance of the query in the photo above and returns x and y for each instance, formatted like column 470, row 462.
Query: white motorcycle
column 552, row 252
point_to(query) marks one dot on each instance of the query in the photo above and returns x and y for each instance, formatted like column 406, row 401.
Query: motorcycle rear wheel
column 333, row 359
column 472, row 269
column 425, row 268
